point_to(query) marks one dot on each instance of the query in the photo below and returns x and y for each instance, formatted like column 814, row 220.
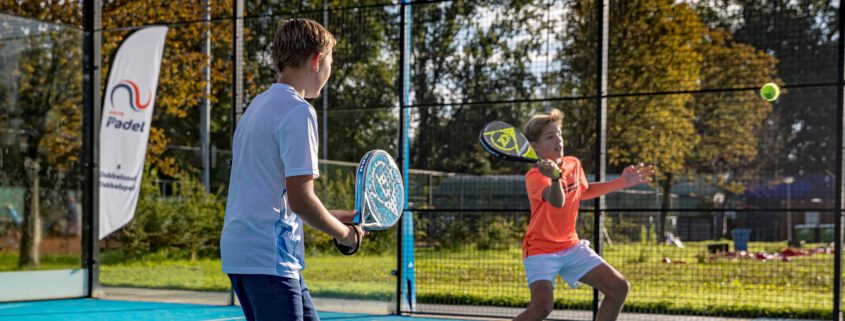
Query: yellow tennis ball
column 770, row 92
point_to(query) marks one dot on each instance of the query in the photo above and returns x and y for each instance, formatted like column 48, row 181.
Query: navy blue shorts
column 269, row 297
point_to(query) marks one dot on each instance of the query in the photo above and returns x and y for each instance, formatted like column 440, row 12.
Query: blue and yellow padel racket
column 504, row 141
column 379, row 195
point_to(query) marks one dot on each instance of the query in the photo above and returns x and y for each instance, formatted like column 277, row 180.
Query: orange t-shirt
column 552, row 229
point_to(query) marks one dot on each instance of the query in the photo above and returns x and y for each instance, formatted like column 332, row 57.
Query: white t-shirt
column 276, row 138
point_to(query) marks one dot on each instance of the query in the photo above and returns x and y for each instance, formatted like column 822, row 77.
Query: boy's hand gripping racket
column 504, row 141
column 379, row 195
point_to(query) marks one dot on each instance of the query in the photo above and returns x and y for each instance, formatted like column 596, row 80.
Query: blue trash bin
column 741, row 237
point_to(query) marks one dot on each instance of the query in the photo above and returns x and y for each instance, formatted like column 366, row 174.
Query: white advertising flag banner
column 125, row 127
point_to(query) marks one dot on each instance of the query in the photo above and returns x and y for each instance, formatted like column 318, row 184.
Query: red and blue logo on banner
column 134, row 95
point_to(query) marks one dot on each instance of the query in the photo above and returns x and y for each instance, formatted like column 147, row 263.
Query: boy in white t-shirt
column 271, row 191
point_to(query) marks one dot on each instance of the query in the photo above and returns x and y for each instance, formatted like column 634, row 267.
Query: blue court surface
column 93, row 309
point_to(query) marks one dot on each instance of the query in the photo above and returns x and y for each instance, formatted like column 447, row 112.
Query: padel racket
column 379, row 195
column 504, row 141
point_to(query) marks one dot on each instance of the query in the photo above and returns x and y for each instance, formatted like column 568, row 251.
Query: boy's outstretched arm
column 632, row 175
column 305, row 203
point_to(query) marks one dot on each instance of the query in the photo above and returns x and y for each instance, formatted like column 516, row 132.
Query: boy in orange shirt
column 551, row 244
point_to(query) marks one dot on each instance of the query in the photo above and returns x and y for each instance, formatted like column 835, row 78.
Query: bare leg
column 614, row 287
column 542, row 302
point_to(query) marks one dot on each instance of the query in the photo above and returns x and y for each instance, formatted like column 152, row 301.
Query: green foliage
column 186, row 224
column 457, row 234
column 463, row 231
column 647, row 240
column 620, row 228
column 336, row 189
column 497, row 232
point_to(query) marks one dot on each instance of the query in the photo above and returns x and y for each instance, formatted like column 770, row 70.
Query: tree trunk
column 665, row 206
column 31, row 234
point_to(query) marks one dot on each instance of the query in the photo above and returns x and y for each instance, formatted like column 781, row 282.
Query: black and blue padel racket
column 379, row 195
column 504, row 141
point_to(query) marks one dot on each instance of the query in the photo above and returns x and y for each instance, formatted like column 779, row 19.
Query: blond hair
column 297, row 39
column 534, row 127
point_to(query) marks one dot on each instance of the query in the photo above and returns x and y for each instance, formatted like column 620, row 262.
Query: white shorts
column 572, row 264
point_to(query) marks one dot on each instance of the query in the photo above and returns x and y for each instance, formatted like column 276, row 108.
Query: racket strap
column 346, row 250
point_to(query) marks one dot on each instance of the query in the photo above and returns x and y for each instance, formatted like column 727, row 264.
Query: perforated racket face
column 380, row 192
column 504, row 141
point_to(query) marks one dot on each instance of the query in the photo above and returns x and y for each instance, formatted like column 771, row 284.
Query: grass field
column 800, row 288
column 742, row 287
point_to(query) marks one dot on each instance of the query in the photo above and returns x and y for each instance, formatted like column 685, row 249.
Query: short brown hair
column 297, row 39
column 534, row 127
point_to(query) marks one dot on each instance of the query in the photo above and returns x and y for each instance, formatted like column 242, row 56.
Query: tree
column 48, row 116
column 802, row 36
column 577, row 78
column 65, row 13
column 180, row 86
column 656, row 42
column 659, row 46
column 464, row 55
column 729, row 122
column 364, row 79
column 362, row 97
column 52, row 132
column 363, row 87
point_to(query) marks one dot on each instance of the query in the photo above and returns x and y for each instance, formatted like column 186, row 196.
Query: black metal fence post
column 838, row 199
column 602, row 19
column 92, row 62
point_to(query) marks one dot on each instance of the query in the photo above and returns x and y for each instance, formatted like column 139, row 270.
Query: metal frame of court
column 92, row 105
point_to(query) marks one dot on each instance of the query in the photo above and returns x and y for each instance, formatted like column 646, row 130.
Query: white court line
column 6, row 306
column 225, row 319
